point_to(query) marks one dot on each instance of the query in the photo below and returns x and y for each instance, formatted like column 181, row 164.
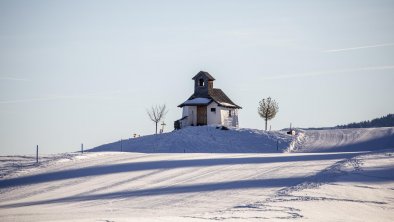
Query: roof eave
column 196, row 104
column 234, row 106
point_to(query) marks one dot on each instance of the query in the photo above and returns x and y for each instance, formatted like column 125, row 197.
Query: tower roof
column 203, row 73
column 204, row 95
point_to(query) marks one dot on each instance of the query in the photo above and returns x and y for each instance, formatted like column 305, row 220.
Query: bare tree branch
column 157, row 113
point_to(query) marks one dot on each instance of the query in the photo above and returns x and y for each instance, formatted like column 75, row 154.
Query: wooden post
column 82, row 148
column 162, row 127
column 37, row 154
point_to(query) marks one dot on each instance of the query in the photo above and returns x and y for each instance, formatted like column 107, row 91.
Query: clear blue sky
column 86, row 71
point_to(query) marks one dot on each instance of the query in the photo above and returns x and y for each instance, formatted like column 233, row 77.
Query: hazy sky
column 86, row 71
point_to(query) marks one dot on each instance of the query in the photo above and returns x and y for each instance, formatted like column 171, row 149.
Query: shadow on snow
column 231, row 185
column 163, row 164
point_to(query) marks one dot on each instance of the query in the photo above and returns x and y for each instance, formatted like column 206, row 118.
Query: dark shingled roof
column 204, row 73
column 218, row 96
column 209, row 92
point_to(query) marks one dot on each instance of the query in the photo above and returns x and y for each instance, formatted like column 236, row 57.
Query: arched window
column 201, row 82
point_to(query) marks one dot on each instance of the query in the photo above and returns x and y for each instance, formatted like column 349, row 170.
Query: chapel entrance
column 201, row 115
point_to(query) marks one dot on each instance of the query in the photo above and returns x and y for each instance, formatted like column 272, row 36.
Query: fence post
column 277, row 145
column 82, row 148
column 37, row 154
column 121, row 145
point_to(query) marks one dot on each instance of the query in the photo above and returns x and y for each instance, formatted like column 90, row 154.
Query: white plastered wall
column 223, row 114
column 214, row 118
column 191, row 113
column 225, row 117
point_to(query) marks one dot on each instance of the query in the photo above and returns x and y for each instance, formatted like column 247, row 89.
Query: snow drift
column 343, row 140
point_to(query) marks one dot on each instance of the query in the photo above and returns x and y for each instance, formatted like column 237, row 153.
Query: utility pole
column 37, row 154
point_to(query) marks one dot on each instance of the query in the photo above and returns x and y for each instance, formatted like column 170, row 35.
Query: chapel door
column 201, row 115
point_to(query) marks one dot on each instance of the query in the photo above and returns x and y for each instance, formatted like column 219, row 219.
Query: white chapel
column 207, row 106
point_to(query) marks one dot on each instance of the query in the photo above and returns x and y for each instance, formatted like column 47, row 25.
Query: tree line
column 384, row 121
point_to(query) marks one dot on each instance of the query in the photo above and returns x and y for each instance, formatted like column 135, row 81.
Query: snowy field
column 317, row 181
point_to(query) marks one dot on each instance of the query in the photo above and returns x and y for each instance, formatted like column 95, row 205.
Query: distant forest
column 385, row 121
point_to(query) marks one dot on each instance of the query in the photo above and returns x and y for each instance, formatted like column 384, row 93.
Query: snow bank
column 24, row 164
column 343, row 140
column 205, row 139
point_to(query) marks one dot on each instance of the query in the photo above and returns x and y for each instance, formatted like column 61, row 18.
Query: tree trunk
column 266, row 124
column 156, row 128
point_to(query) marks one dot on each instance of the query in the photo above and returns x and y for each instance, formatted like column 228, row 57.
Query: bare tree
column 267, row 109
column 157, row 113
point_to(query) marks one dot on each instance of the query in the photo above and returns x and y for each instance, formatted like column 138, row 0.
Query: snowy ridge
column 205, row 139
column 343, row 140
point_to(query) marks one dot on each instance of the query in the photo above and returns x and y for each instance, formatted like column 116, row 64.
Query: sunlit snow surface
column 206, row 139
column 209, row 186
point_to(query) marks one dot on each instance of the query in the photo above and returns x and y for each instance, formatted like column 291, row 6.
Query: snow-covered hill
column 208, row 139
column 205, row 139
